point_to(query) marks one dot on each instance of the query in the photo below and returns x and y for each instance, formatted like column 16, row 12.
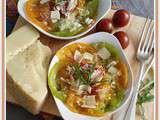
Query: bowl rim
column 126, row 61
column 20, row 11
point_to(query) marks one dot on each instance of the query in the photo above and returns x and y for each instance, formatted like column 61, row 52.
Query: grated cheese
column 88, row 21
column 44, row 1
column 104, row 53
column 88, row 56
column 77, row 55
column 113, row 70
column 89, row 102
column 55, row 16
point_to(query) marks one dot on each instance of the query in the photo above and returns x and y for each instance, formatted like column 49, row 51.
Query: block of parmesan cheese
column 27, row 70
column 19, row 40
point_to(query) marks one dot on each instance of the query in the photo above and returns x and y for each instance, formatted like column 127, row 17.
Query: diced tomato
column 83, row 64
column 85, row 75
column 98, row 74
column 51, row 5
column 95, row 88
column 62, row 8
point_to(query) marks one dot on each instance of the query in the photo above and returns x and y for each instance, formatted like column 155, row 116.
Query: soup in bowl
column 63, row 19
column 90, row 78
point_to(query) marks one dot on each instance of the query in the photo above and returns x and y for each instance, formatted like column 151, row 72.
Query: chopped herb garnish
column 78, row 74
column 144, row 92
column 90, row 74
column 145, row 95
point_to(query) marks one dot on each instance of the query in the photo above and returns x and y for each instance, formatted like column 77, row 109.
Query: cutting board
column 133, row 29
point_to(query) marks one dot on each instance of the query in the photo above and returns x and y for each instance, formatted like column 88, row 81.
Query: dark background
column 18, row 113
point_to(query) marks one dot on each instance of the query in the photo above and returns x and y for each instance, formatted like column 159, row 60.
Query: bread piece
column 27, row 76
column 19, row 40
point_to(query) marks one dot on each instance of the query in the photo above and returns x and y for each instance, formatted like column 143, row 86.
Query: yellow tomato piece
column 68, row 51
column 71, row 101
column 32, row 14
column 123, row 79
column 81, row 4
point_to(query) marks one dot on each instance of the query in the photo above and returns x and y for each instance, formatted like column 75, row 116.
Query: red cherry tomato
column 105, row 25
column 121, row 18
column 123, row 38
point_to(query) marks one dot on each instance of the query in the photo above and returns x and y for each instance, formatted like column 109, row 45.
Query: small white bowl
column 104, row 7
column 97, row 37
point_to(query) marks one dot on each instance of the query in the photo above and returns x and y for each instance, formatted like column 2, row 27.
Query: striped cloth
column 116, row 4
column 12, row 13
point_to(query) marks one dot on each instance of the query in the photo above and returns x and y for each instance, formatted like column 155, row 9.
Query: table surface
column 137, row 7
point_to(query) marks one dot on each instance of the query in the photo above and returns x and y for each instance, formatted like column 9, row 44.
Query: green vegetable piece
column 92, row 6
column 53, row 85
column 115, row 102
column 90, row 74
column 67, row 33
column 63, row 34
column 145, row 92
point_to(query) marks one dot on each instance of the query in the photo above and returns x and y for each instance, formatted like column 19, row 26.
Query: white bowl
column 97, row 37
column 104, row 7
